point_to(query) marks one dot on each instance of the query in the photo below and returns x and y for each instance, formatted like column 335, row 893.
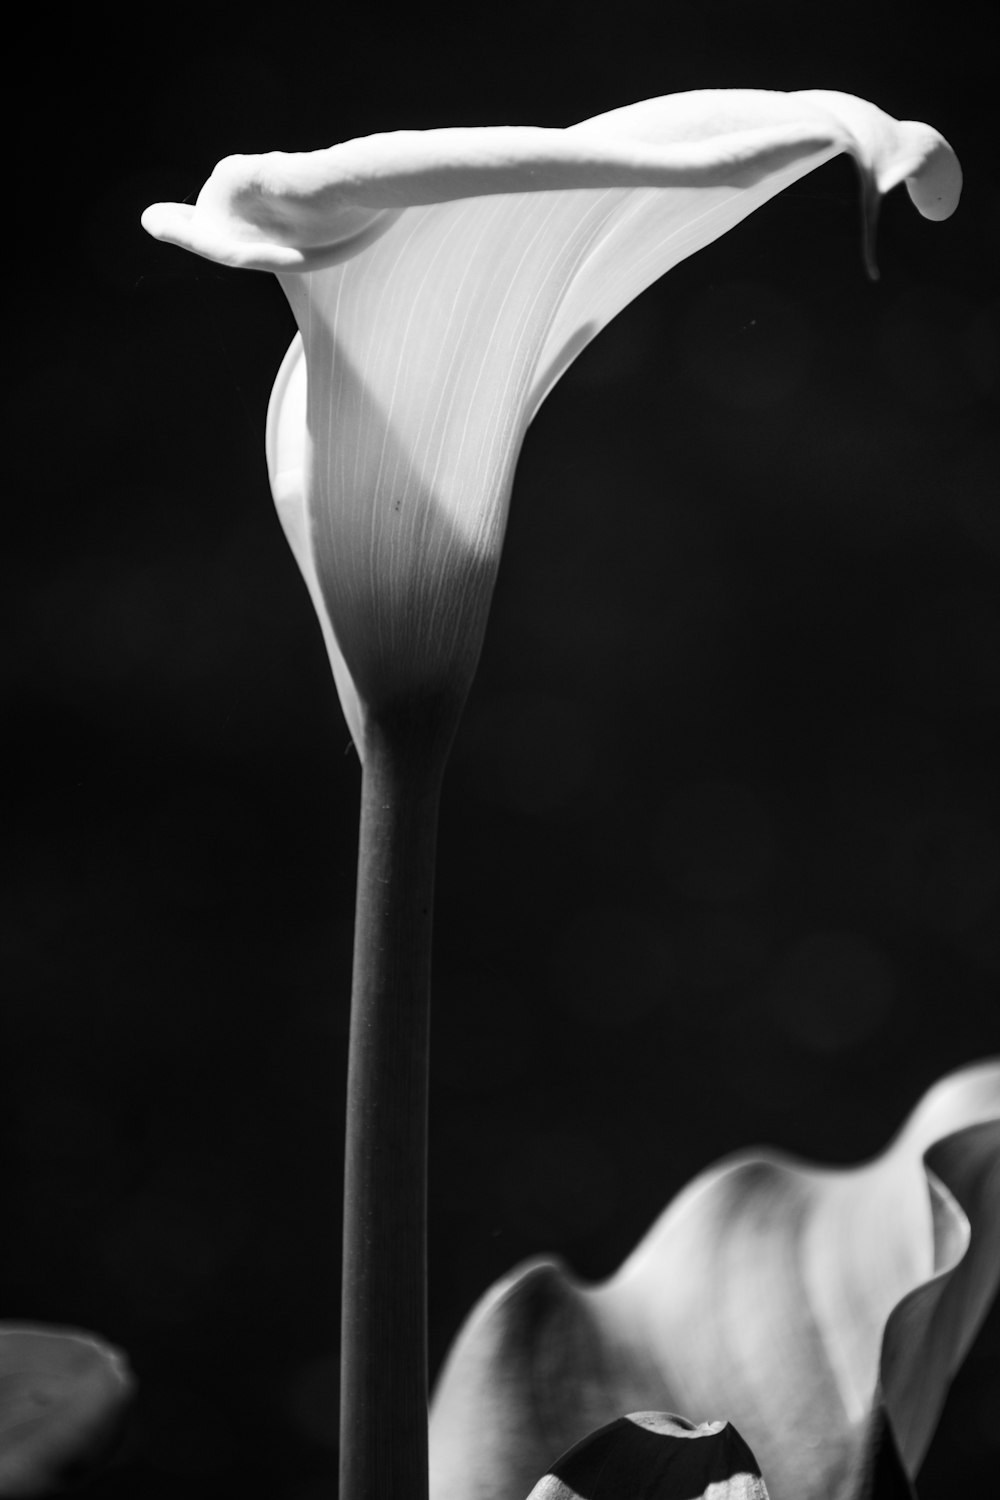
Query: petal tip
column 168, row 222
column 936, row 185
column 183, row 225
column 927, row 163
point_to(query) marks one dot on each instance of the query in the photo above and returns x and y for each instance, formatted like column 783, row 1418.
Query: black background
column 720, row 856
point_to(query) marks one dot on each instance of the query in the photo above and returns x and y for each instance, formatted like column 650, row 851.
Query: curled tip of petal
column 255, row 213
column 936, row 185
column 888, row 153
column 180, row 224
column 167, row 221
column 917, row 155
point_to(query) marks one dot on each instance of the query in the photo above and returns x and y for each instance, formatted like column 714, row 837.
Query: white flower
column 822, row 1311
column 442, row 282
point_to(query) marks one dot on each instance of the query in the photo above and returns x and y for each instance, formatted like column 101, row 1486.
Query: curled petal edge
column 302, row 211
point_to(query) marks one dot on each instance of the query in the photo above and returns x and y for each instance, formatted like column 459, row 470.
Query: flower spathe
column 821, row 1311
column 442, row 282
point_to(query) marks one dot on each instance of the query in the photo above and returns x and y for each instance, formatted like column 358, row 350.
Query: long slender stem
column 383, row 1416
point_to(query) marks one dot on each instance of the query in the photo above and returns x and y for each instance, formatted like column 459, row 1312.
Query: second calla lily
column 442, row 282
column 823, row 1312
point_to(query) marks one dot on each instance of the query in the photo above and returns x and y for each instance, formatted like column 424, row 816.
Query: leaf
column 795, row 1301
column 61, row 1395
column 653, row 1455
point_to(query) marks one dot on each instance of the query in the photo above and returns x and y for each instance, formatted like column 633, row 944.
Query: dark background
column 720, row 853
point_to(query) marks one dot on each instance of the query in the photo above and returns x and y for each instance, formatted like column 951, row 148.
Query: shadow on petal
column 405, row 588
column 793, row 1300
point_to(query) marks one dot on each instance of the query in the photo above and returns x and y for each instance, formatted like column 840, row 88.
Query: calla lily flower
column 442, row 282
column 822, row 1312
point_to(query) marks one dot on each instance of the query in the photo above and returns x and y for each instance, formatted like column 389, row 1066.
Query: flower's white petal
column 420, row 355
column 650, row 232
column 286, row 441
column 790, row 1299
column 442, row 280
column 957, row 1133
column 895, row 151
column 179, row 224
column 654, row 230
column 302, row 211
column 527, row 1376
column 890, row 150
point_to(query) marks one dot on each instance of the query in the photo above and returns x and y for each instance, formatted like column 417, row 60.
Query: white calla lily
column 442, row 282
column 822, row 1311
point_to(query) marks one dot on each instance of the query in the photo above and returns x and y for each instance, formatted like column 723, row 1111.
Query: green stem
column 383, row 1413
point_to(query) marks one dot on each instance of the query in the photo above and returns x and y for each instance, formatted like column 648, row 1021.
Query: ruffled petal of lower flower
column 797, row 1302
column 62, row 1394
column 653, row 1455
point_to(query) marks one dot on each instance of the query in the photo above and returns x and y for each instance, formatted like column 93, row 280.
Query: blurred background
column 720, row 856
